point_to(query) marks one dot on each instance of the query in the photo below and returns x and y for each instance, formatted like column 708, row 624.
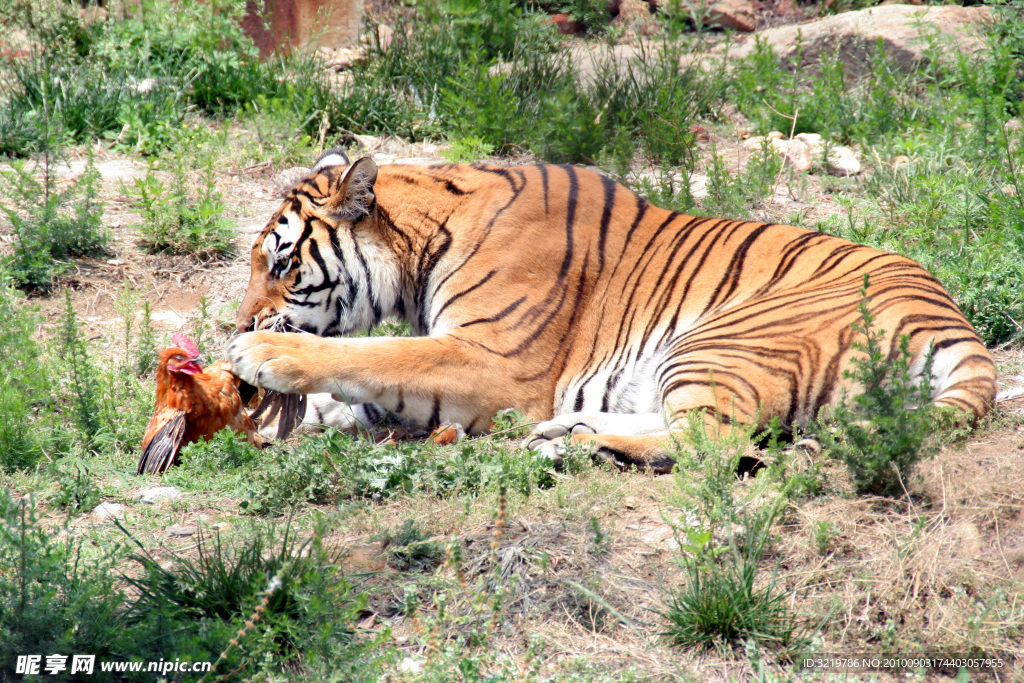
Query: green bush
column 30, row 425
column 53, row 599
column 884, row 431
column 722, row 605
column 132, row 77
column 178, row 220
column 227, row 450
column 724, row 533
column 735, row 196
column 50, row 224
column 309, row 605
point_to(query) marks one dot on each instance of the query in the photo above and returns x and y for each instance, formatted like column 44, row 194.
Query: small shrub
column 593, row 14
column 50, row 225
column 409, row 549
column 84, row 389
column 75, row 491
column 52, row 599
column 30, row 425
column 310, row 614
column 735, row 196
column 468, row 149
column 882, row 433
column 822, row 537
column 180, row 221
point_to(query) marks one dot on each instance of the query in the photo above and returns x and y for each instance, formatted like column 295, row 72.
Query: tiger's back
column 584, row 305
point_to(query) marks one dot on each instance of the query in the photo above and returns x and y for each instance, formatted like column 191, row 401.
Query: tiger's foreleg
column 428, row 380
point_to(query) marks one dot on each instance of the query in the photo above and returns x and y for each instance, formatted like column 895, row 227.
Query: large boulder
column 283, row 25
column 899, row 28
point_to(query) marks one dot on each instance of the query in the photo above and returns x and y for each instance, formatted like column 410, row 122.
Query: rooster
column 192, row 404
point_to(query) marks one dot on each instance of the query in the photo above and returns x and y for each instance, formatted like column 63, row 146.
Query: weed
column 83, row 381
column 468, row 149
column 722, row 604
column 226, row 451
column 305, row 474
column 311, row 614
column 75, row 491
column 178, row 221
column 882, row 433
column 735, row 196
column 29, row 427
column 822, row 537
column 50, row 225
column 52, row 598
column 408, row 548
column 667, row 191
column 140, row 351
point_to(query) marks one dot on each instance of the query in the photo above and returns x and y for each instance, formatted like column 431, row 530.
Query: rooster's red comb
column 183, row 342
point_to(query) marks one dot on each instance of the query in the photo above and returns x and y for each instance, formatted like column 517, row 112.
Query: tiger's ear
column 351, row 195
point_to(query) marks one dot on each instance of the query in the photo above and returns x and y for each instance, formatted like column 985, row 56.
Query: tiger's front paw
column 274, row 360
column 548, row 438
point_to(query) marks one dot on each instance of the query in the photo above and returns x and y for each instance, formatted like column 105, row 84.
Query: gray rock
column 180, row 530
column 160, row 494
column 107, row 510
column 842, row 161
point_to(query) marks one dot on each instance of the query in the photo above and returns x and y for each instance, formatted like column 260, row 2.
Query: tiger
column 556, row 291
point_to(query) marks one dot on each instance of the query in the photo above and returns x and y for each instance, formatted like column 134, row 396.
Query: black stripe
column 606, row 217
column 435, row 414
column 461, row 294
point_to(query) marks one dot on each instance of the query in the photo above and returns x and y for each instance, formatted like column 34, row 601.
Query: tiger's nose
column 252, row 322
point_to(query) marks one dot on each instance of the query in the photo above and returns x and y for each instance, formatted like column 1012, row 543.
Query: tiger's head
column 321, row 264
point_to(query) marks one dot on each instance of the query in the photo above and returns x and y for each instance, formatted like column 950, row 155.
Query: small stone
column 410, row 665
column 631, row 503
column 565, row 24
column 106, row 510
column 812, row 140
column 659, row 535
column 221, row 526
column 842, row 161
column 739, row 15
column 160, row 494
column 385, row 34
column 796, row 153
column 754, row 143
column 700, row 132
column 809, row 446
column 775, row 135
column 180, row 530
